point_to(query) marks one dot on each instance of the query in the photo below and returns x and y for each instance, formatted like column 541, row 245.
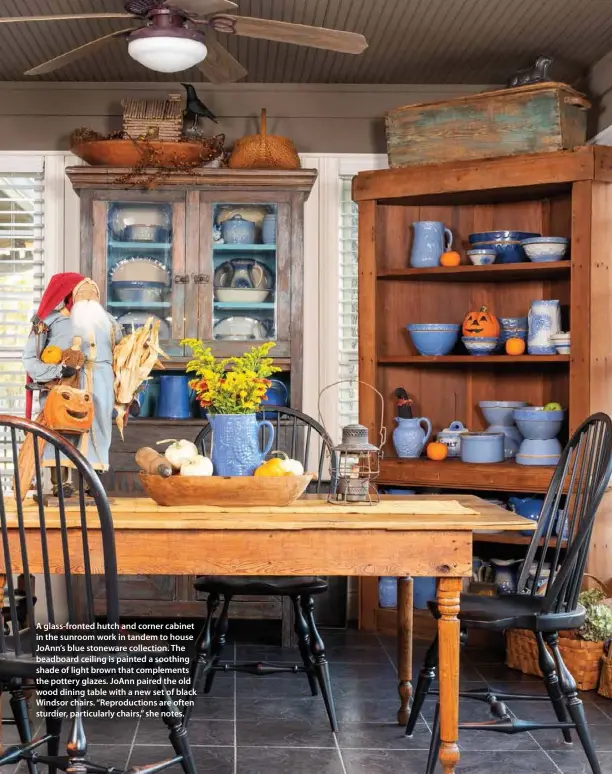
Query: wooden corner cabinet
column 170, row 236
column 566, row 193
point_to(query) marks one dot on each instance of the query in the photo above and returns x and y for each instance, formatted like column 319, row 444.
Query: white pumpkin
column 198, row 466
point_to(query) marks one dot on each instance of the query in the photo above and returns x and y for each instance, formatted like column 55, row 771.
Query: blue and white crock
column 236, row 449
column 544, row 321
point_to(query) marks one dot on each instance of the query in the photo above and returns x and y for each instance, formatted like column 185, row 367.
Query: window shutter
column 21, row 282
column 347, row 307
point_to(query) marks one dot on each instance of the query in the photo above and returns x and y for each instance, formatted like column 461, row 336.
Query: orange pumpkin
column 481, row 324
column 450, row 258
column 515, row 346
column 437, row 451
column 51, row 354
column 69, row 410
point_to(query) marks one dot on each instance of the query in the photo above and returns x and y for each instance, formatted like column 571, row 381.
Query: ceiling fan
column 174, row 35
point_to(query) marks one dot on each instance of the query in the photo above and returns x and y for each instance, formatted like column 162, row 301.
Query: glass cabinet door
column 141, row 264
column 249, row 299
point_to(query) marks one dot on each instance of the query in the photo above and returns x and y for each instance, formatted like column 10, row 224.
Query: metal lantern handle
column 383, row 429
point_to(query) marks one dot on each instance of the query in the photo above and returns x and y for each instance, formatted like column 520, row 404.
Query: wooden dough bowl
column 129, row 153
column 235, row 491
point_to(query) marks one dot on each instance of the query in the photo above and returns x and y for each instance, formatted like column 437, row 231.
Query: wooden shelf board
column 470, row 359
column 454, row 474
column 508, row 538
column 502, row 272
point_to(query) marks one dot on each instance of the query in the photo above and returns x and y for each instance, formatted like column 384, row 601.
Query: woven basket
column 582, row 658
column 605, row 680
column 264, row 151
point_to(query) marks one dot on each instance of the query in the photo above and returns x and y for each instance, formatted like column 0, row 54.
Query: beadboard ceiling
column 411, row 41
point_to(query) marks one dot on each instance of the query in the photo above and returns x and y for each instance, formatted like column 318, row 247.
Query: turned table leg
column 404, row 646
column 449, row 590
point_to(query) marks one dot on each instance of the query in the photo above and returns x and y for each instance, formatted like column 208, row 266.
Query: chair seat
column 260, row 584
column 512, row 611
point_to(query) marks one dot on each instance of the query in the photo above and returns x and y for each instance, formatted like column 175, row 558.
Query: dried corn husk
column 134, row 358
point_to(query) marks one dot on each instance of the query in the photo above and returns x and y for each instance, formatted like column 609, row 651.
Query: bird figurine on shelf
column 195, row 107
column 537, row 73
column 404, row 403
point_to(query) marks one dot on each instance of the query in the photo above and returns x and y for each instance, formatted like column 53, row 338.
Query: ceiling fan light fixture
column 168, row 50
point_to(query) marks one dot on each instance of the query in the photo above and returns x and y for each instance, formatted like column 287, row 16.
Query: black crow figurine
column 195, row 107
column 537, row 73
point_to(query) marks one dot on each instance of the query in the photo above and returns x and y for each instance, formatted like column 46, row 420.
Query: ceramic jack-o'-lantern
column 481, row 323
column 69, row 410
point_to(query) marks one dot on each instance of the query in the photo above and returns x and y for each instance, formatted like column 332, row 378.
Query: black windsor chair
column 569, row 509
column 296, row 434
column 20, row 639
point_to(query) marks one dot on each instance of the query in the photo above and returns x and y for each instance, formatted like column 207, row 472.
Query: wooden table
column 420, row 536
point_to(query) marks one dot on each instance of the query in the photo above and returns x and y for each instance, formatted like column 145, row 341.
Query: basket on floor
column 264, row 151
column 605, row 680
column 582, row 658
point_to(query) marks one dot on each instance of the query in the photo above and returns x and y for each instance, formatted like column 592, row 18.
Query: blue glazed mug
column 236, row 447
column 431, row 239
column 173, row 401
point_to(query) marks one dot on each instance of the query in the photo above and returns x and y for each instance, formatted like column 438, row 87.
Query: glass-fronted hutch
column 215, row 254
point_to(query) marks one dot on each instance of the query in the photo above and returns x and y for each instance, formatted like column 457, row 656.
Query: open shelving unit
column 567, row 193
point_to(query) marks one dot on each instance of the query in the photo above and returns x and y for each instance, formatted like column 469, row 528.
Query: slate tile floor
column 271, row 725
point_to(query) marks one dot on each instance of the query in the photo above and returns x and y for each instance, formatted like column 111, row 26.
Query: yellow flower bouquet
column 231, row 385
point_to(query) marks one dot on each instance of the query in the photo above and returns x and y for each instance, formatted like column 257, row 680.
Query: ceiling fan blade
column 76, row 53
column 285, row 32
column 66, row 17
column 201, row 7
column 219, row 65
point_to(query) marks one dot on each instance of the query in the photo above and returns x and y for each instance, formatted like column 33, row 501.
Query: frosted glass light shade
column 167, row 54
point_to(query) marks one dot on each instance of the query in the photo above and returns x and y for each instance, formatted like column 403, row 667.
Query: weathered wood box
column 527, row 119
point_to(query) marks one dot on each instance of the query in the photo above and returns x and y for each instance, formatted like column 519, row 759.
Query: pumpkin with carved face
column 481, row 323
column 69, row 410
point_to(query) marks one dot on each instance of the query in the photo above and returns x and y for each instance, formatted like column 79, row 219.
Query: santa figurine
column 71, row 344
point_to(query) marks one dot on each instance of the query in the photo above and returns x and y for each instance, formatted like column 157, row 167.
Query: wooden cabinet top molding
column 300, row 180
column 541, row 170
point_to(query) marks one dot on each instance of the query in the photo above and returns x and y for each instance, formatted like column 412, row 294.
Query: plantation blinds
column 347, row 306
column 21, row 277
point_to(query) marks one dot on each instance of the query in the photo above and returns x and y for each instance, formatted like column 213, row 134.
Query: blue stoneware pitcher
column 429, row 243
column 409, row 438
column 173, row 401
column 236, row 449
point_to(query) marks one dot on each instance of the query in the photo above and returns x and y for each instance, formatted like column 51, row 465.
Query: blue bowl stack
column 512, row 328
column 507, row 244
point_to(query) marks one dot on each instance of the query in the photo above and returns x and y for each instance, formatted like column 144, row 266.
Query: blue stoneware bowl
column 482, row 447
column 138, row 291
column 507, row 244
column 499, row 412
column 539, row 452
column 537, row 424
column 545, row 249
column 481, row 345
column 434, row 338
column 513, row 322
column 481, row 256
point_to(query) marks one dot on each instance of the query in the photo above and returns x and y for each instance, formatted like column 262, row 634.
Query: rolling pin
column 152, row 462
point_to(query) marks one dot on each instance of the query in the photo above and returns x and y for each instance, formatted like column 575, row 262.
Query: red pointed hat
column 59, row 289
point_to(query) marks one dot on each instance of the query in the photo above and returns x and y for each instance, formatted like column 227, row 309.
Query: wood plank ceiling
column 411, row 41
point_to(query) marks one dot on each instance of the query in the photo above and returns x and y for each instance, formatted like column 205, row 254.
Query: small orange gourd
column 481, row 324
column 450, row 258
column 437, row 451
column 51, row 354
column 515, row 346
column 69, row 410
